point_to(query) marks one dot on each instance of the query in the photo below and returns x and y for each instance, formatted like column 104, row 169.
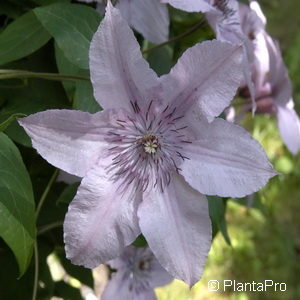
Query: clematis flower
column 273, row 88
column 148, row 17
column 150, row 155
column 138, row 273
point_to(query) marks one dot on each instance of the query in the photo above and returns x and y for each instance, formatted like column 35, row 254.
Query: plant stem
column 36, row 271
column 49, row 227
column 45, row 193
column 178, row 37
column 36, row 251
column 10, row 74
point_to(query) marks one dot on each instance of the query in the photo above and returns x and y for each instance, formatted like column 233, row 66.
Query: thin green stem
column 36, row 271
column 45, row 193
column 36, row 251
column 11, row 74
column 178, row 37
column 50, row 226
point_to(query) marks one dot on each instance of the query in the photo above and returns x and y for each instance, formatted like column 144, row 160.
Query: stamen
column 147, row 147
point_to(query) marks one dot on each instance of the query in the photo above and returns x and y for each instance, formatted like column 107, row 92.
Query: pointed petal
column 156, row 275
column 228, row 28
column 190, row 5
column 123, row 286
column 118, row 287
column 205, row 78
column 119, row 73
column 289, row 127
column 100, row 221
column 148, row 17
column 68, row 139
column 146, row 295
column 225, row 161
column 278, row 74
column 177, row 228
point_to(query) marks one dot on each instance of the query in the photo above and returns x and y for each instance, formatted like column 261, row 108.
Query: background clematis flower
column 138, row 273
column 148, row 17
column 224, row 18
column 150, row 155
column 273, row 88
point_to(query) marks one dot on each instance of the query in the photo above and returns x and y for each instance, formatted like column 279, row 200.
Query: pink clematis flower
column 273, row 87
column 148, row 17
column 138, row 273
column 150, row 155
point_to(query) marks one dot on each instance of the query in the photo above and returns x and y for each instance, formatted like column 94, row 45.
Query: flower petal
column 100, row 221
column 226, row 24
column 123, row 286
column 278, row 74
column 68, row 139
column 177, row 227
column 119, row 73
column 289, row 126
column 148, row 17
column 205, row 78
column 190, row 5
column 119, row 287
column 156, row 275
column 225, row 161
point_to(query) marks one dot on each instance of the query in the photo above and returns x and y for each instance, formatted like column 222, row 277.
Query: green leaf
column 84, row 99
column 17, row 218
column 72, row 26
column 68, row 194
column 160, row 60
column 65, row 67
column 140, row 242
column 21, row 38
column 217, row 209
column 8, row 121
column 80, row 92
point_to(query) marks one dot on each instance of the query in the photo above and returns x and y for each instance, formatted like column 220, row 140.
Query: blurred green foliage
column 259, row 236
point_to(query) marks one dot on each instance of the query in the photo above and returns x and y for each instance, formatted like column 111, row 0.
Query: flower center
column 144, row 265
column 150, row 143
column 147, row 146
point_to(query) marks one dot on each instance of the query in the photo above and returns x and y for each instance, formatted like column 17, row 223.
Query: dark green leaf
column 140, row 241
column 72, row 26
column 65, row 67
column 80, row 92
column 160, row 60
column 68, row 194
column 21, row 38
column 84, row 99
column 217, row 209
column 17, row 218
